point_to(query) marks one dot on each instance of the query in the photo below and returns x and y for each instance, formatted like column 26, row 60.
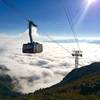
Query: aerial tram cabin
column 32, row 46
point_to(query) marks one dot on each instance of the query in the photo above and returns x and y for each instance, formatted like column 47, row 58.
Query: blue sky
column 50, row 17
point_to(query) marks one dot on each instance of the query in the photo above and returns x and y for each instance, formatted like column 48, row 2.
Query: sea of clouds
column 30, row 72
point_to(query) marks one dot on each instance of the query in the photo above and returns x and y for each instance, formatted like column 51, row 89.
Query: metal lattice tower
column 77, row 54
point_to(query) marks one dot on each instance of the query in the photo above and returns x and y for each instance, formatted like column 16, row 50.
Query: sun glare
column 90, row 1
column 87, row 6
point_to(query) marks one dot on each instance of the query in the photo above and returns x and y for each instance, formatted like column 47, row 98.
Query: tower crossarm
column 77, row 54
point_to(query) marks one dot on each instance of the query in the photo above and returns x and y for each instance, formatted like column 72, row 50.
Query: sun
column 90, row 1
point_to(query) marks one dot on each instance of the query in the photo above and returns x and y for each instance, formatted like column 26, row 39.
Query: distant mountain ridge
column 6, row 86
column 73, row 41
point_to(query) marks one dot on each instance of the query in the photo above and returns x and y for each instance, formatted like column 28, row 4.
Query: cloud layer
column 30, row 72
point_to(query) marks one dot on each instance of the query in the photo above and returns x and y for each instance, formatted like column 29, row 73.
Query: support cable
column 57, row 43
column 15, row 10
column 69, row 18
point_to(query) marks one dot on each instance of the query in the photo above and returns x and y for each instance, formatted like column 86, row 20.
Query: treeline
column 88, row 89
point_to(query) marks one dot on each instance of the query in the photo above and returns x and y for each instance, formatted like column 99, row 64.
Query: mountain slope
column 81, row 72
column 6, row 86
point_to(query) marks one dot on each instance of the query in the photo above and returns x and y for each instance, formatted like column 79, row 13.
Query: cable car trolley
column 32, row 46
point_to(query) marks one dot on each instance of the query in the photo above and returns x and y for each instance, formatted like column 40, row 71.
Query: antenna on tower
column 77, row 54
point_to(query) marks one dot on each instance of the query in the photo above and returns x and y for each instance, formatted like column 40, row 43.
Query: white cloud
column 34, row 71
